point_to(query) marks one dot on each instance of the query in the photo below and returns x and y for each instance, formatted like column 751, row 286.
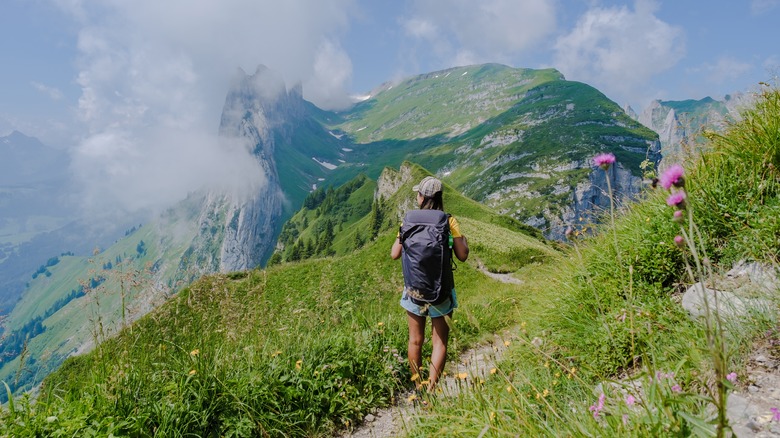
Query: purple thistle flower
column 597, row 407
column 604, row 160
column 731, row 377
column 676, row 388
column 678, row 217
column 630, row 400
column 776, row 414
column 673, row 176
column 679, row 240
column 676, row 199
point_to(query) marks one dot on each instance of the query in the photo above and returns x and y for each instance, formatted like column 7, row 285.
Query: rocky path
column 473, row 364
column 753, row 406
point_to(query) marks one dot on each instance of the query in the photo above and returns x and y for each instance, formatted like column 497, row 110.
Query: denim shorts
column 434, row 311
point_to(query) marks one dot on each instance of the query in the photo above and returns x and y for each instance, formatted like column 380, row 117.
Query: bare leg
column 416, row 339
column 441, row 332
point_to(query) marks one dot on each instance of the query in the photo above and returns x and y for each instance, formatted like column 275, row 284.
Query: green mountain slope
column 519, row 140
column 300, row 348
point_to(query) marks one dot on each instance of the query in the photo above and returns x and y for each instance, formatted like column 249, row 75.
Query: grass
column 600, row 345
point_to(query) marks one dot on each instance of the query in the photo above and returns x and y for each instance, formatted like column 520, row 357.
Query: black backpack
column 427, row 256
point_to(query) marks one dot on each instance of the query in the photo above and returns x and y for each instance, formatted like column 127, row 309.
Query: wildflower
column 194, row 352
column 673, row 176
column 493, row 371
column 545, row 393
column 676, row 388
column 509, row 388
column 492, row 416
column 677, row 200
column 630, row 400
column 731, row 377
column 775, row 414
column 678, row 217
column 604, row 160
column 506, row 343
column 276, row 353
column 412, row 398
column 679, row 241
column 415, row 377
column 598, row 406
column 463, row 376
column 380, row 324
column 192, row 372
column 298, row 364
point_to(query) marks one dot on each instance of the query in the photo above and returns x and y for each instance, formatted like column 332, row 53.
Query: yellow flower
column 380, row 324
column 509, row 388
column 276, row 353
column 492, row 416
column 192, row 372
column 412, row 398
column 538, row 396
column 463, row 376
column 298, row 364
column 416, row 377
column 545, row 393
column 194, row 352
column 547, row 364
column 493, row 371
column 506, row 343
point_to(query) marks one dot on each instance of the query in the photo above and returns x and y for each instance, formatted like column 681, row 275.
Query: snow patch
column 338, row 136
column 464, row 73
column 324, row 164
column 346, row 149
column 361, row 129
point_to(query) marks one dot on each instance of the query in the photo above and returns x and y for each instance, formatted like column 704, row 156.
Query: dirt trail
column 472, row 365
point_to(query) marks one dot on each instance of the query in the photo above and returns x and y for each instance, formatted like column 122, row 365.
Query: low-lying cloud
column 154, row 76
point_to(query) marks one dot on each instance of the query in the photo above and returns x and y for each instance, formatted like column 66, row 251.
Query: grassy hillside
column 304, row 348
column 518, row 140
column 83, row 300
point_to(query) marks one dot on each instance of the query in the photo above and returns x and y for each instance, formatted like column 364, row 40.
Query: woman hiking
column 421, row 303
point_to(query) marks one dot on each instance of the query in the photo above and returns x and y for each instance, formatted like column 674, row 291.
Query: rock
column 700, row 300
column 369, row 418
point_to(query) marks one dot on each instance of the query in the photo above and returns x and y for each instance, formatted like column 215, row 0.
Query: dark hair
column 434, row 202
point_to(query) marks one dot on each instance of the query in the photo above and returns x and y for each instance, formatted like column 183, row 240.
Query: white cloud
column 461, row 31
column 725, row 69
column 619, row 50
column 332, row 71
column 154, row 75
column 52, row 92
column 760, row 7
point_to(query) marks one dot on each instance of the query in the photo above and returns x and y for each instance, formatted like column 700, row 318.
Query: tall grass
column 613, row 353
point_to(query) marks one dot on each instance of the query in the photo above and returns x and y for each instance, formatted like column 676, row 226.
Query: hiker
column 440, row 308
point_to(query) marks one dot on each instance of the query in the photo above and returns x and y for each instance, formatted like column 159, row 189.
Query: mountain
column 519, row 141
column 680, row 124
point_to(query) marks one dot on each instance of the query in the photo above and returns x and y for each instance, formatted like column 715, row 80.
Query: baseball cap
column 428, row 186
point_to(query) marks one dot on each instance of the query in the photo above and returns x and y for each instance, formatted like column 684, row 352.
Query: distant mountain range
column 517, row 140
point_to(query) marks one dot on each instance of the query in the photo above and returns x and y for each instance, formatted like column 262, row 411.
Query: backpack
column 427, row 256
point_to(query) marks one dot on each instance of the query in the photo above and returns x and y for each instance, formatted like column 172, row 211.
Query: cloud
column 619, row 50
column 461, row 31
column 154, row 76
column 52, row 92
column 725, row 69
column 760, row 7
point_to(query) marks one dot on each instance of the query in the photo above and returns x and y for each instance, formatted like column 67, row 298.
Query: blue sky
column 114, row 81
